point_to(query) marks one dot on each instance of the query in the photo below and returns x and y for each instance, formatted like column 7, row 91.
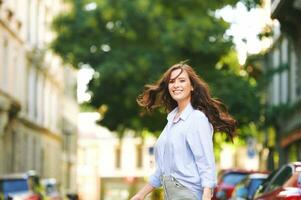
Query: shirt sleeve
column 201, row 144
column 154, row 179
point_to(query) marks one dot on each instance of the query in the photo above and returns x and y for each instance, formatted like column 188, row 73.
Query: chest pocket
column 177, row 142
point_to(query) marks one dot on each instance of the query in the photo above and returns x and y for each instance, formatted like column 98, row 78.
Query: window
column 35, row 90
column 276, row 78
column 42, row 161
column 40, row 97
column 29, row 22
column 298, row 150
column 233, row 178
column 31, row 90
column 13, row 75
column 298, row 76
column 265, row 184
column 292, row 153
column 5, row 67
column 253, row 185
column 284, row 74
column 139, row 159
column 117, row 157
column 151, row 150
column 36, row 21
column 280, row 178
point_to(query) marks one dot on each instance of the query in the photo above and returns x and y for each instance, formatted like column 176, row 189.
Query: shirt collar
column 185, row 113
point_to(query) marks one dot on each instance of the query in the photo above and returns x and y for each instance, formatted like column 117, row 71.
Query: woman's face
column 180, row 86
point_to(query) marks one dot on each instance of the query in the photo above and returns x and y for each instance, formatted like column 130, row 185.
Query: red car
column 282, row 184
column 246, row 188
column 226, row 183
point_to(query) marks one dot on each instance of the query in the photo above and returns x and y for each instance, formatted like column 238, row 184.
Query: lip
column 177, row 91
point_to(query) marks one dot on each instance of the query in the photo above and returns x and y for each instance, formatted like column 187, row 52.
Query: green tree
column 130, row 43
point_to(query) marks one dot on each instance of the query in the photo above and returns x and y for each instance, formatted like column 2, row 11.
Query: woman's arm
column 207, row 193
column 148, row 188
column 201, row 144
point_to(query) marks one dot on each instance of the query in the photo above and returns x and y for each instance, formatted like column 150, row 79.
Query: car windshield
column 233, row 178
column 264, row 184
column 9, row 186
column 254, row 184
column 280, row 178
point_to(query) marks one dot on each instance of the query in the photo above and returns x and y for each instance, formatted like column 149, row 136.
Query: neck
column 183, row 104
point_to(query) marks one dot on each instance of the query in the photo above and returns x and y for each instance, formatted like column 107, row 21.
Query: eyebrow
column 177, row 77
column 172, row 79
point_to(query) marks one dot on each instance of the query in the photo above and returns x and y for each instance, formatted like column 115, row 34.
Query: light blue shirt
column 184, row 150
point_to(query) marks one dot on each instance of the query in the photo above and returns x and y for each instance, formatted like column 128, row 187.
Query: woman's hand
column 137, row 197
column 207, row 193
column 143, row 192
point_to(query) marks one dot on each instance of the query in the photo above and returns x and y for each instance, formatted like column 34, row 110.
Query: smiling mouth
column 177, row 92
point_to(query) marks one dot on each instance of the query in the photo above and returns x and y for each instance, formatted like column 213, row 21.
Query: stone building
column 283, row 61
column 109, row 169
column 38, row 109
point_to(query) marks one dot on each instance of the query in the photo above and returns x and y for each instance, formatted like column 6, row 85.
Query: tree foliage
column 130, row 44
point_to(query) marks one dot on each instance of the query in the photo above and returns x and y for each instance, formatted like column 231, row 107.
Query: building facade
column 283, row 62
column 38, row 109
column 110, row 168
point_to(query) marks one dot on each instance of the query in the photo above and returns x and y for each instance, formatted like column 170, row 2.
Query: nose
column 176, row 84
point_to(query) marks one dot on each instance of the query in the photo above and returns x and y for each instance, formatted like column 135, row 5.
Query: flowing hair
column 157, row 95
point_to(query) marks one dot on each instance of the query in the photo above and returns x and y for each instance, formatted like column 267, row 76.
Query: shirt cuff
column 208, row 184
column 155, row 182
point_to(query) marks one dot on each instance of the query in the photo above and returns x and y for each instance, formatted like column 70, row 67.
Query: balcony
column 280, row 8
column 275, row 7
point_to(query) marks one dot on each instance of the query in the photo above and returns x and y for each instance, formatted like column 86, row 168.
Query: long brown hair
column 156, row 95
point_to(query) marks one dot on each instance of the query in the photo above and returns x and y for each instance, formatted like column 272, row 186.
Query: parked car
column 226, row 183
column 72, row 196
column 50, row 187
column 247, row 187
column 292, row 192
column 23, row 186
column 283, row 184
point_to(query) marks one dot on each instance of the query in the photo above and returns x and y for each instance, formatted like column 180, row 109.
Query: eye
column 171, row 80
column 182, row 80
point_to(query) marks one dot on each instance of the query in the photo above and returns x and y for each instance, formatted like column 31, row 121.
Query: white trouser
column 174, row 190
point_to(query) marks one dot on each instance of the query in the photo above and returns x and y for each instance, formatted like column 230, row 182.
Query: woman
column 184, row 151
